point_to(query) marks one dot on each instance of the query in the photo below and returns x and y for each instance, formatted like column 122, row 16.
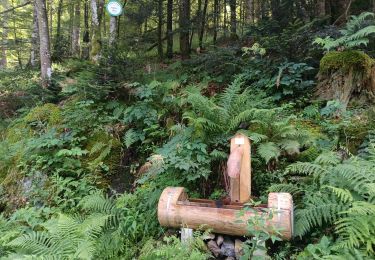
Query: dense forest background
column 98, row 114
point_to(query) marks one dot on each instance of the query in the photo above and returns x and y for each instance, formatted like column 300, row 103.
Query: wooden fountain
column 176, row 210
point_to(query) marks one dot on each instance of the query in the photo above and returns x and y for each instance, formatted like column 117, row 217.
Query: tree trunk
column 4, row 37
column 203, row 24
column 58, row 40
column 76, row 29
column 112, row 31
column 225, row 19
column 233, row 19
column 34, row 54
column 170, row 29
column 250, row 11
column 86, row 33
column 96, row 32
column 321, row 8
column 185, row 28
column 160, row 29
column 50, row 9
column 15, row 36
column 216, row 20
column 45, row 56
column 257, row 11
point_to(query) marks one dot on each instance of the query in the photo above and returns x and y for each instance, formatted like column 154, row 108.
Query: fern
column 356, row 33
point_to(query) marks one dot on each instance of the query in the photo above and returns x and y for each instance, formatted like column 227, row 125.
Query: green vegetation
column 83, row 161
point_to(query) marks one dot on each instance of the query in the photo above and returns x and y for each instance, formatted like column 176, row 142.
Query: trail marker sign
column 114, row 8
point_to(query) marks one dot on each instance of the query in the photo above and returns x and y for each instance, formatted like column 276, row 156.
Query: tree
column 160, row 28
column 58, row 38
column 203, row 23
column 34, row 52
column 76, row 29
column 321, row 8
column 86, row 33
column 216, row 20
column 233, row 18
column 44, row 43
column 96, row 38
column 184, row 28
column 170, row 29
column 4, row 36
column 250, row 11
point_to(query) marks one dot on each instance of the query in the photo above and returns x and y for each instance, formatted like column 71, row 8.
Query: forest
column 104, row 104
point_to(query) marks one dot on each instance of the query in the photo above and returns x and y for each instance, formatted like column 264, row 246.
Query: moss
column 113, row 158
column 49, row 113
column 346, row 60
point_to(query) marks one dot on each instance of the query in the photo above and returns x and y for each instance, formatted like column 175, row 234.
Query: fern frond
column 269, row 151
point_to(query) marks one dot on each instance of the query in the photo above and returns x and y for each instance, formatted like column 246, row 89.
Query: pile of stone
column 224, row 247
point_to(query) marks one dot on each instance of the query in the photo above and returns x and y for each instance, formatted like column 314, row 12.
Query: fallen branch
column 15, row 7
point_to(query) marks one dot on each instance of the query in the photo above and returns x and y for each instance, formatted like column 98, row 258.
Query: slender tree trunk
column 203, row 24
column 185, row 28
column 250, row 11
column 50, row 9
column 233, row 18
column 160, row 29
column 112, row 31
column 15, row 36
column 225, row 18
column 58, row 39
column 321, row 8
column 76, row 29
column 257, row 11
column 216, row 20
column 34, row 53
column 4, row 36
column 86, row 33
column 96, row 32
column 170, row 29
column 45, row 56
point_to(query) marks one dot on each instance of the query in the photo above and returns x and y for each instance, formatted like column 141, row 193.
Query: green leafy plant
column 356, row 33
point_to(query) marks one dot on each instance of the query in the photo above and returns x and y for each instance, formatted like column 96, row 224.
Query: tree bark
column 76, row 29
column 112, row 31
column 50, row 9
column 185, row 28
column 86, row 33
column 321, row 8
column 233, row 18
column 170, row 29
column 160, row 29
column 58, row 40
column 4, row 37
column 216, row 20
column 45, row 55
column 203, row 24
column 96, row 32
column 250, row 11
column 34, row 53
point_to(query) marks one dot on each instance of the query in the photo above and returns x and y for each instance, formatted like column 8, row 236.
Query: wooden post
column 240, row 188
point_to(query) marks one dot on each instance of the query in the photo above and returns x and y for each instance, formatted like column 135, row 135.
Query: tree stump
column 346, row 76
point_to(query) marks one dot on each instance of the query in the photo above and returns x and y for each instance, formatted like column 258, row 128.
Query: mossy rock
column 49, row 113
column 346, row 60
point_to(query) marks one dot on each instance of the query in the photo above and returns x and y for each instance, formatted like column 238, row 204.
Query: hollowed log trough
column 176, row 210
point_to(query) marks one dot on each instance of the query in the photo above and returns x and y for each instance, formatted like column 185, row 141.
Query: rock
column 227, row 248
column 219, row 240
column 186, row 235
column 214, row 248
column 238, row 248
column 230, row 258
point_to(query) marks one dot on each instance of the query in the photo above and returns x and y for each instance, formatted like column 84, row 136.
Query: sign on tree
column 114, row 8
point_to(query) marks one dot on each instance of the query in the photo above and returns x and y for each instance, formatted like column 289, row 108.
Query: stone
column 227, row 248
column 230, row 258
column 214, row 248
column 219, row 240
column 238, row 249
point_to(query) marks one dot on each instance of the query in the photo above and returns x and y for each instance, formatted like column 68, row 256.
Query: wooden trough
column 176, row 210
